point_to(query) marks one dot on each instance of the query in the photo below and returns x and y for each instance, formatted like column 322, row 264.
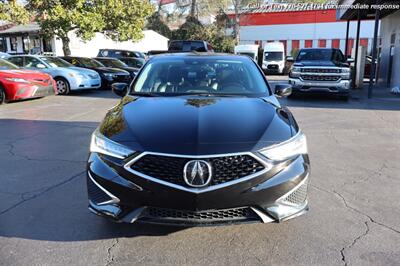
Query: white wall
column 151, row 41
column 307, row 31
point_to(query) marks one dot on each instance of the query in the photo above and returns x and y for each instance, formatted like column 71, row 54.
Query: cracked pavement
column 354, row 216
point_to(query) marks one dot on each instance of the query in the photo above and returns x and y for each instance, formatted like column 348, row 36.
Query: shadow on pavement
column 43, row 185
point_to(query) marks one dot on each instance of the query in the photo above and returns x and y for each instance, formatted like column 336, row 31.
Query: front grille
column 224, row 169
column 320, row 78
column 95, row 193
column 122, row 78
column 272, row 66
column 298, row 196
column 211, row 216
column 320, row 70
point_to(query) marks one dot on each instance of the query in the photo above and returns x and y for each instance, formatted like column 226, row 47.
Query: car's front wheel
column 2, row 95
column 63, row 87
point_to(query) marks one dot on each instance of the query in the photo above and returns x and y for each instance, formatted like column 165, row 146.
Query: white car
column 67, row 76
column 4, row 55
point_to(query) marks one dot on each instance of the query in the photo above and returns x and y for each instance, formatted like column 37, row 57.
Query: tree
column 119, row 20
column 154, row 22
column 12, row 11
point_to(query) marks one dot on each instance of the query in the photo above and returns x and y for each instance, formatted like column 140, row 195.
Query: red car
column 17, row 84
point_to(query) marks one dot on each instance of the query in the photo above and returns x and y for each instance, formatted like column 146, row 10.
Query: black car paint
column 106, row 61
column 195, row 125
column 119, row 75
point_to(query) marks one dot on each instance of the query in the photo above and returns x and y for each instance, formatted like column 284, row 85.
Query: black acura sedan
column 109, row 75
column 198, row 139
column 116, row 63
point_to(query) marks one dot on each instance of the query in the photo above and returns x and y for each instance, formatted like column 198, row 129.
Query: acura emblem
column 197, row 173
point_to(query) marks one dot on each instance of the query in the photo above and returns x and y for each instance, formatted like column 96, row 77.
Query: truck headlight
column 103, row 145
column 346, row 73
column 291, row 148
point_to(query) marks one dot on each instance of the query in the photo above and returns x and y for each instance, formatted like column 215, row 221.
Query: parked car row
column 33, row 76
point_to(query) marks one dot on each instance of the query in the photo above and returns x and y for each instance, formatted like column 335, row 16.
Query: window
column 3, row 47
column 14, row 44
column 19, row 61
column 201, row 75
column 32, row 62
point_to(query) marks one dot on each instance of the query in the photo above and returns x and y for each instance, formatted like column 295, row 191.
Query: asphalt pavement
column 354, row 209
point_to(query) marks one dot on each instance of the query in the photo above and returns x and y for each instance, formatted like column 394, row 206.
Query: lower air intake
column 298, row 196
column 187, row 217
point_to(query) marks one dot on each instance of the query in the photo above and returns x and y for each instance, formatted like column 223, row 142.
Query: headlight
column 288, row 149
column 19, row 80
column 80, row 75
column 103, row 145
column 346, row 73
column 109, row 76
column 345, row 70
column 296, row 69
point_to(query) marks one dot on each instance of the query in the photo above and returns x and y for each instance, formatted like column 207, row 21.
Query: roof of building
column 27, row 28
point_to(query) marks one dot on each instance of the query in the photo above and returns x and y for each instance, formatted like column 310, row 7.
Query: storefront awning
column 21, row 30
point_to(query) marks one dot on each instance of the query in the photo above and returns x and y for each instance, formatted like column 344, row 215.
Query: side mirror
column 350, row 60
column 289, row 58
column 283, row 90
column 120, row 89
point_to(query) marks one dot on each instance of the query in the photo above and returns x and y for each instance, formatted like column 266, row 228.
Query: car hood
column 317, row 63
column 195, row 125
column 111, row 70
column 82, row 70
column 23, row 73
column 131, row 69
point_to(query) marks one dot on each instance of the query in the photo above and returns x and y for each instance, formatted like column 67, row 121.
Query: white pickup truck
column 322, row 71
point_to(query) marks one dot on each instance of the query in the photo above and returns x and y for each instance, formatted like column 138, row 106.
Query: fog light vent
column 298, row 196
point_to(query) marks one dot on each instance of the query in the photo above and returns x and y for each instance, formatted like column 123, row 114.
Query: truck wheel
column 63, row 87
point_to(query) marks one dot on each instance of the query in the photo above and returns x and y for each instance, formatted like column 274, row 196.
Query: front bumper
column 274, row 195
column 20, row 91
column 341, row 87
column 85, row 83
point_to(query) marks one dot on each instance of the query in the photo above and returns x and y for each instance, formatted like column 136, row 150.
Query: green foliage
column 119, row 20
column 154, row 22
column 11, row 11
column 192, row 29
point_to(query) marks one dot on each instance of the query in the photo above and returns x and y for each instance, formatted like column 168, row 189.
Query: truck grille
column 211, row 216
column 273, row 67
column 320, row 78
column 320, row 70
column 170, row 169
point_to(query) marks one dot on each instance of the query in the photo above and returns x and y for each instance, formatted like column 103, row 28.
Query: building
column 300, row 28
column 28, row 39
column 386, row 44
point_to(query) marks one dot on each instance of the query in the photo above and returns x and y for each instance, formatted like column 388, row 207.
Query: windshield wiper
column 144, row 94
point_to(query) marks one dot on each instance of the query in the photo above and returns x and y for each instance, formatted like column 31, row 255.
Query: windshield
column 113, row 63
column 249, row 54
column 89, row 62
column 194, row 75
column 273, row 56
column 133, row 62
column 56, row 62
column 320, row 55
column 4, row 65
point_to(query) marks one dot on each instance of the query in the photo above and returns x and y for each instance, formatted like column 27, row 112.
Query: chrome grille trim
column 264, row 162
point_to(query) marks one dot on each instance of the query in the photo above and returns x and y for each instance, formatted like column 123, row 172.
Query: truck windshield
column 273, row 56
column 320, row 55
column 205, row 76
column 249, row 54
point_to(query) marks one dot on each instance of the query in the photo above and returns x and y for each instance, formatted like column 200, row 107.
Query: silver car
column 67, row 76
